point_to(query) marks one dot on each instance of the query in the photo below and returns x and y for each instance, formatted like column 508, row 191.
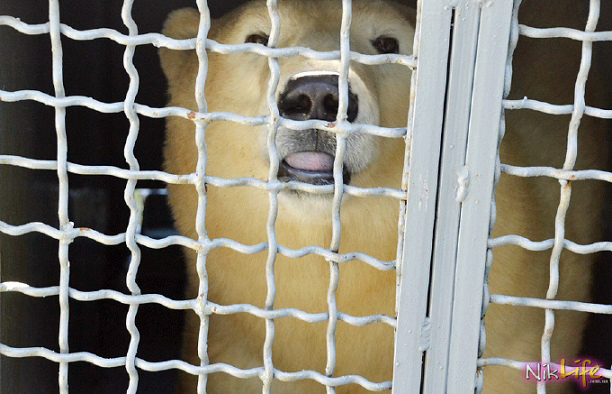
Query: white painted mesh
column 565, row 175
column 132, row 237
column 67, row 233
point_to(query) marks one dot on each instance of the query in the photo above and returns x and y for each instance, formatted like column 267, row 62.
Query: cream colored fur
column 237, row 83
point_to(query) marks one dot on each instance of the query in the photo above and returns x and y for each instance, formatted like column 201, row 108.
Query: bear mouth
column 316, row 168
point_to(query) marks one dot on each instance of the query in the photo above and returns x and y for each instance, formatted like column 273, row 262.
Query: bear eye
column 257, row 39
column 386, row 44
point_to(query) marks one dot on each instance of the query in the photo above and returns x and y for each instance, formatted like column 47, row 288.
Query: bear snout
column 314, row 94
column 314, row 97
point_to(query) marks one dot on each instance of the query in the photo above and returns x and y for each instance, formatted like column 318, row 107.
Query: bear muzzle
column 313, row 96
column 316, row 168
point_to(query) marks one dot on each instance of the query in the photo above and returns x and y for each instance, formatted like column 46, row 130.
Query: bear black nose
column 314, row 97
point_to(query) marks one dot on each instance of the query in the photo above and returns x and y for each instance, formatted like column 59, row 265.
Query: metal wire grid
column 203, row 245
column 577, row 110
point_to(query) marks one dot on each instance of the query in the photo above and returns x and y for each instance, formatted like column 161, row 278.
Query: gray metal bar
column 483, row 138
column 450, row 194
column 424, row 137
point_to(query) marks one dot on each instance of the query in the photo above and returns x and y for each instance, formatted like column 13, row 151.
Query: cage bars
column 200, row 184
column 135, row 219
column 566, row 187
column 415, row 332
column 62, row 175
column 203, row 245
column 273, row 65
column 565, row 175
column 417, row 215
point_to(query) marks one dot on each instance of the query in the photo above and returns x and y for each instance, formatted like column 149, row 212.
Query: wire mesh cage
column 448, row 232
column 566, row 263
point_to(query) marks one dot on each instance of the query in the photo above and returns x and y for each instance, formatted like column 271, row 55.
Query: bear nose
column 314, row 97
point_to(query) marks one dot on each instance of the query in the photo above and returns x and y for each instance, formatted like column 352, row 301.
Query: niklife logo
column 583, row 371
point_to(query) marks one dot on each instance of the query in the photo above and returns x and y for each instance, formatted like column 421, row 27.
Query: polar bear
column 379, row 95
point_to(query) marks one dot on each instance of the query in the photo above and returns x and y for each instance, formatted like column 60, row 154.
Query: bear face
column 238, row 83
column 378, row 95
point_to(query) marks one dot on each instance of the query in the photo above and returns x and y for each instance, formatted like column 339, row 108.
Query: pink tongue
column 311, row 161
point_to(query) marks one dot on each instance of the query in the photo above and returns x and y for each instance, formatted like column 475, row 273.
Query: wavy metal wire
column 66, row 233
column 203, row 245
column 564, row 175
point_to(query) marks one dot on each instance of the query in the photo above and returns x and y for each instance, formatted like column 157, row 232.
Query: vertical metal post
column 200, row 186
column 480, row 162
column 65, row 224
column 462, row 55
column 135, row 220
column 461, row 48
column 424, row 136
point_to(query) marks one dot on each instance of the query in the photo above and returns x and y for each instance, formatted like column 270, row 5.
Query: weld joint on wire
column 203, row 307
column 69, row 233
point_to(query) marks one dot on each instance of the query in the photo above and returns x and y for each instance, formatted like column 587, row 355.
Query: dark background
column 94, row 68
